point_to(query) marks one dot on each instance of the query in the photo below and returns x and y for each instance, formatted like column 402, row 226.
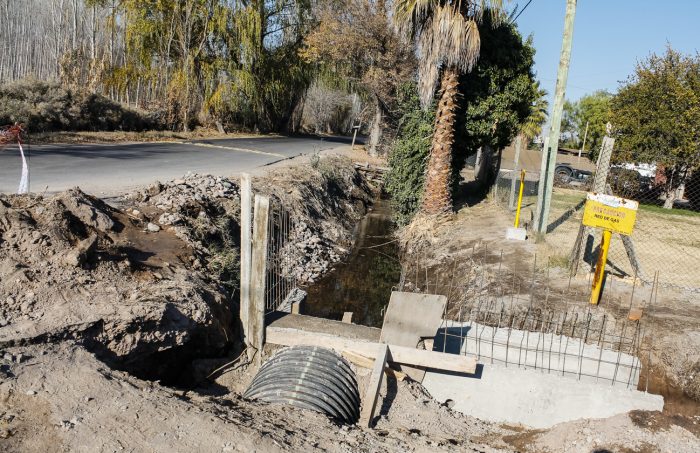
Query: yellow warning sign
column 610, row 213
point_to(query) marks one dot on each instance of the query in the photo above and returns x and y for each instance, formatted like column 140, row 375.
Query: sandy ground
column 62, row 399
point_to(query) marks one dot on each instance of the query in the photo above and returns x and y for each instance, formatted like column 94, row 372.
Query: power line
column 522, row 10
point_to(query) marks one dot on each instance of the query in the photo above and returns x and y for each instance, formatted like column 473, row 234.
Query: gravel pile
column 195, row 204
column 312, row 254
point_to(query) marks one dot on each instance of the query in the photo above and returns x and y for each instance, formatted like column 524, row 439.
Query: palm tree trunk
column 438, row 195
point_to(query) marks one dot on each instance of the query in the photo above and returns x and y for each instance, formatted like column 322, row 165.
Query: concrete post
column 516, row 162
column 603, row 167
column 246, row 230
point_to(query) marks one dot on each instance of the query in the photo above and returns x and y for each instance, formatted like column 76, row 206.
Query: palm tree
column 447, row 33
column 529, row 129
column 532, row 127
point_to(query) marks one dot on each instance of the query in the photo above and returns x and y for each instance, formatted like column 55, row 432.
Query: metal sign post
column 611, row 214
column 600, row 267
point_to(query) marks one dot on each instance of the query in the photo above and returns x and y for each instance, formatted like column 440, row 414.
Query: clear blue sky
column 609, row 38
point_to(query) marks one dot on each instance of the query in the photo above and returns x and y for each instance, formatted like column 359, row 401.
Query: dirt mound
column 73, row 267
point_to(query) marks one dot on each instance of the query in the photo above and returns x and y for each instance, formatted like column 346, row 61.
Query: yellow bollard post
column 520, row 199
column 599, row 275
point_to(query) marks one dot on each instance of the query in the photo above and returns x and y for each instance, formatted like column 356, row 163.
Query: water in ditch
column 361, row 284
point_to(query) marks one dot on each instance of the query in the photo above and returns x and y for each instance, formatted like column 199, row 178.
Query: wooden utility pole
column 549, row 156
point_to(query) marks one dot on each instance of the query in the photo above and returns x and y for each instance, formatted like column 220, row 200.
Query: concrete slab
column 408, row 318
column 516, row 234
column 534, row 398
column 324, row 326
column 411, row 316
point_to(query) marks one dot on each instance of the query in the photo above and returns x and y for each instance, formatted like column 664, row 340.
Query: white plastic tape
column 24, row 180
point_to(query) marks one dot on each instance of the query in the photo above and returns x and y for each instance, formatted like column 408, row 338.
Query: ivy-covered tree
column 500, row 97
column 656, row 115
column 409, row 154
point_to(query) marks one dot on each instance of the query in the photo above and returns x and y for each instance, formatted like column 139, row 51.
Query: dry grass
column 121, row 136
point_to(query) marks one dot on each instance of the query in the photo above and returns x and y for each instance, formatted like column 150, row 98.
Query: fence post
column 258, row 270
column 246, row 229
column 516, row 162
column 542, row 182
column 603, row 167
column 601, row 178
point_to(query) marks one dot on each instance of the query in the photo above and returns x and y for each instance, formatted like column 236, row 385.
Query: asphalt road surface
column 112, row 168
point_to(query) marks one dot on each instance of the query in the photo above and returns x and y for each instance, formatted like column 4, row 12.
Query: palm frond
column 447, row 34
column 532, row 126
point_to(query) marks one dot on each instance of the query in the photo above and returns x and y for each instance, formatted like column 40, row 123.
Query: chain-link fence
column 506, row 189
column 666, row 236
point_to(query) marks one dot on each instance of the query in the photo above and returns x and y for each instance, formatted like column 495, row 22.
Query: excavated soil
column 119, row 331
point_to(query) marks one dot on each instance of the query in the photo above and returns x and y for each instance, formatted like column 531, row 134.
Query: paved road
column 111, row 168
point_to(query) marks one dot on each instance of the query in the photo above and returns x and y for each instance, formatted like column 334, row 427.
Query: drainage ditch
column 362, row 283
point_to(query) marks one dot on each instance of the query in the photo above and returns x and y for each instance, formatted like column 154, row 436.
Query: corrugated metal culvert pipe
column 309, row 377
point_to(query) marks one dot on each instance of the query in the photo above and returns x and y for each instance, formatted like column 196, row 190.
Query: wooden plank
column 369, row 402
column 246, row 229
column 399, row 354
column 366, row 362
column 256, row 314
column 433, row 359
column 347, row 317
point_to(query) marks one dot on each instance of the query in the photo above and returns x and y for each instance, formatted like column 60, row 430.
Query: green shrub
column 409, row 154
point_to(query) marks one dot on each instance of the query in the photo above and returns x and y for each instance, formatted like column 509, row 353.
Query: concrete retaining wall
column 534, row 398
column 556, row 354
